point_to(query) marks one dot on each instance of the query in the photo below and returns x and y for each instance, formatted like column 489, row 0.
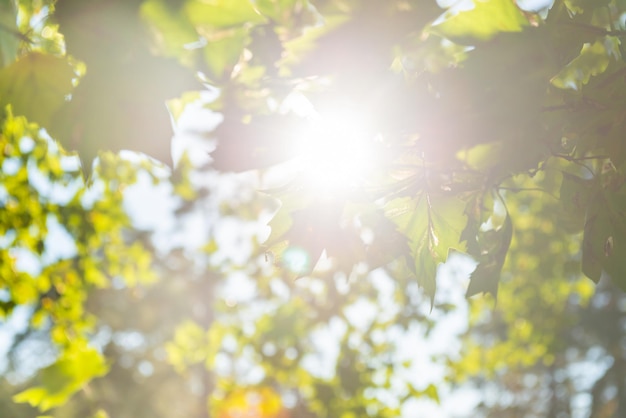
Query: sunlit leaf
column 433, row 225
column 278, row 10
column 575, row 194
column 122, row 107
column 222, row 13
column 62, row 379
column 9, row 33
column 593, row 60
column 173, row 30
column 188, row 347
column 36, row 86
column 486, row 19
column 225, row 50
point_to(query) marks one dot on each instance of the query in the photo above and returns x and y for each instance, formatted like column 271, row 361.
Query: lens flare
column 336, row 152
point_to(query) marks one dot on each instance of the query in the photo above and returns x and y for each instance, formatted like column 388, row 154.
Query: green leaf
column 177, row 106
column 173, row 28
column 433, row 225
column 224, row 51
column 429, row 391
column 581, row 6
column 596, row 236
column 9, row 33
column 483, row 21
column 189, row 346
column 575, row 195
column 61, row 380
column 315, row 229
column 593, row 60
column 122, row 107
column 604, row 245
column 298, row 51
column 277, row 10
column 282, row 220
column 388, row 244
column 36, row 86
column 222, row 13
column 486, row 277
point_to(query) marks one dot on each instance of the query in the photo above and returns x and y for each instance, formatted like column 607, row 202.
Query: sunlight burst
column 336, row 152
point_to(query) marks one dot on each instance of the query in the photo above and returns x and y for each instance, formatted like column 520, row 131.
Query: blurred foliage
column 497, row 133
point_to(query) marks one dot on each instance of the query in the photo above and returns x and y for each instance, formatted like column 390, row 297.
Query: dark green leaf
column 604, row 248
column 486, row 277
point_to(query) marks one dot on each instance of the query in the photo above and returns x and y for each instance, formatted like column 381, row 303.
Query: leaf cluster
column 499, row 133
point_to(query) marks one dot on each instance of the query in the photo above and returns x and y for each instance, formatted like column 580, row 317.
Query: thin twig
column 15, row 33
column 556, row 108
column 525, row 189
column 595, row 29
column 577, row 159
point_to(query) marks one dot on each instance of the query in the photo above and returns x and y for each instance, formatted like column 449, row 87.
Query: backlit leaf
column 433, row 225
column 593, row 60
column 486, row 277
column 62, row 379
column 486, row 19
column 36, row 86
column 222, row 13
column 173, row 30
column 278, row 10
column 604, row 248
column 9, row 34
column 224, row 51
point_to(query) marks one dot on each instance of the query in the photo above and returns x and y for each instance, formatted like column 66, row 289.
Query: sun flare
column 336, row 150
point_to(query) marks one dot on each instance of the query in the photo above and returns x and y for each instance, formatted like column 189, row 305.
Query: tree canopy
column 376, row 139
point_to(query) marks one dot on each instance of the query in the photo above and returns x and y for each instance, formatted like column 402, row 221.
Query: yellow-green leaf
column 59, row 381
column 222, row 13
column 433, row 225
column 36, row 86
column 224, row 50
column 172, row 28
column 9, row 34
column 485, row 20
column 593, row 60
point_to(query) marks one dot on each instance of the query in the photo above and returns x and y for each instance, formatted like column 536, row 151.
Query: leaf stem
column 15, row 33
column 578, row 159
column 595, row 29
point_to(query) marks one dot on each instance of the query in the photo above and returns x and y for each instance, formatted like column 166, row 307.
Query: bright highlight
column 336, row 152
